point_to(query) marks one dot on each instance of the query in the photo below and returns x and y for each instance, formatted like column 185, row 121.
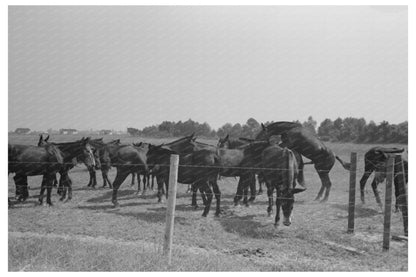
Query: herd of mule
column 278, row 165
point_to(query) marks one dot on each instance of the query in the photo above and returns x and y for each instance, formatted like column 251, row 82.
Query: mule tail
column 344, row 164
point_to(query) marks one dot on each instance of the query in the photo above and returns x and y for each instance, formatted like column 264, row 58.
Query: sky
column 92, row 67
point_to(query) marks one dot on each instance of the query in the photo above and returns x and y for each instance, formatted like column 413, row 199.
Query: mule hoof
column 204, row 214
column 116, row 204
column 276, row 224
column 324, row 200
column 217, row 214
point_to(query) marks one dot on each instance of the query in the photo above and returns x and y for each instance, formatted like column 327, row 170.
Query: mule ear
column 263, row 127
column 47, row 138
column 297, row 190
column 227, row 137
column 40, row 139
column 140, row 144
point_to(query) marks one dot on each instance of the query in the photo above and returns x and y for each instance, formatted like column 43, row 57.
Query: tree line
column 349, row 129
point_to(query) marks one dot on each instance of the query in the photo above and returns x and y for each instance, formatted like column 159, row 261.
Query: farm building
column 68, row 131
column 22, row 131
column 105, row 132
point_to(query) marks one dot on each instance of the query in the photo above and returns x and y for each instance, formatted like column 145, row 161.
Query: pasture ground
column 88, row 234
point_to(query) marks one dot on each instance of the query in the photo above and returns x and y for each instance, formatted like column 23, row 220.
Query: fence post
column 351, row 200
column 387, row 205
column 170, row 211
column 400, row 185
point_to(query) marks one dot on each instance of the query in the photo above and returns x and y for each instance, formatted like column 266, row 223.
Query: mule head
column 222, row 142
column 87, row 152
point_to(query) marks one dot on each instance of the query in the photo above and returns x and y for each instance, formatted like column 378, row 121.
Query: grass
column 68, row 236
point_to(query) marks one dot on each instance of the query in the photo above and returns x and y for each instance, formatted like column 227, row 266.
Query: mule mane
column 181, row 139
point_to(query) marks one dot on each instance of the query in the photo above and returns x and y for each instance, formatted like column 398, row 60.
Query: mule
column 375, row 160
column 280, row 170
column 295, row 137
column 28, row 160
column 71, row 152
column 201, row 168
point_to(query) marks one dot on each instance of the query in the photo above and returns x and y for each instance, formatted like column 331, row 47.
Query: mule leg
column 63, row 185
column 203, row 196
column 374, row 185
column 363, row 180
column 145, row 181
column 22, row 192
column 49, row 184
column 132, row 179
column 93, row 177
column 194, row 192
column 278, row 205
column 208, row 193
column 120, row 177
column 217, row 194
column 270, row 190
column 326, row 184
column 69, row 184
column 90, row 181
column 252, row 181
column 160, row 190
column 240, row 191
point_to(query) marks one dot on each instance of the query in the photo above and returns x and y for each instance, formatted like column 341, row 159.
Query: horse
column 375, row 160
column 201, row 168
column 295, row 137
column 28, row 160
column 280, row 170
column 71, row 151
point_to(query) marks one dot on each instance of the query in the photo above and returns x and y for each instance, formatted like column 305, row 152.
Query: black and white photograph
column 201, row 138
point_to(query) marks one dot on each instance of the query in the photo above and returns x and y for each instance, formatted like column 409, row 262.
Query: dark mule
column 201, row 168
column 295, row 137
column 280, row 170
column 145, row 174
column 375, row 160
column 182, row 146
column 27, row 160
column 126, row 159
column 235, row 144
column 72, row 152
column 104, row 156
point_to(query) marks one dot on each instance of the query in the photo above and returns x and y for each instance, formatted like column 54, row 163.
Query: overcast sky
column 117, row 67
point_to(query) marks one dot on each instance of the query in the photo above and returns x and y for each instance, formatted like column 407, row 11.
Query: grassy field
column 88, row 234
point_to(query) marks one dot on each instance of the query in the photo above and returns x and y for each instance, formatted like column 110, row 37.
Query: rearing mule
column 28, row 160
column 295, row 137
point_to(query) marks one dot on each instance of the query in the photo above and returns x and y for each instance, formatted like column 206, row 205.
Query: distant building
column 22, row 131
column 68, row 131
column 105, row 132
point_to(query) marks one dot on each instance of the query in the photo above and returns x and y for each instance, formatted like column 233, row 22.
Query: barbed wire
column 207, row 166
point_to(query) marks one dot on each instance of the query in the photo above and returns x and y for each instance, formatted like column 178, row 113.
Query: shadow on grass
column 360, row 211
column 126, row 194
column 246, row 226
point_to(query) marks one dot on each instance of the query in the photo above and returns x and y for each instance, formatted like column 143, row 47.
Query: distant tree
column 310, row 124
column 133, row 131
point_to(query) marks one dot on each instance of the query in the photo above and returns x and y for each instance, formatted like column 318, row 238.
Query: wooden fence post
column 400, row 185
column 351, row 199
column 387, row 205
column 170, row 211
